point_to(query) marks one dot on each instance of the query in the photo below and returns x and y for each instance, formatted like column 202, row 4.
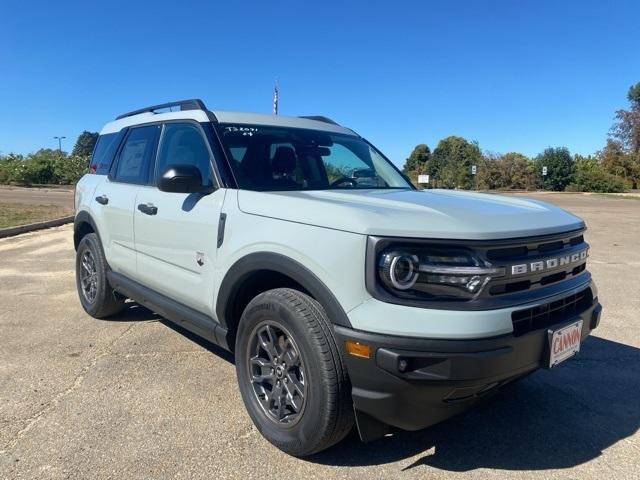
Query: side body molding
column 269, row 261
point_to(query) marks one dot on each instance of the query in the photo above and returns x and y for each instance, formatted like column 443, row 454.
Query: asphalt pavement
column 135, row 398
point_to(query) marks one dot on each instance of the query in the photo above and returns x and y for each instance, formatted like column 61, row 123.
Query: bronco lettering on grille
column 549, row 263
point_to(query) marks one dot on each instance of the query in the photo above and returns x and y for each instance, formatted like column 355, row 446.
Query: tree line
column 615, row 168
column 49, row 166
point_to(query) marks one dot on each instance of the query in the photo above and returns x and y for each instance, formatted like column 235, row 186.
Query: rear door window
column 136, row 156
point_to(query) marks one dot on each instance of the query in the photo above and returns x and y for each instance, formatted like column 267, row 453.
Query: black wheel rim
column 276, row 373
column 88, row 277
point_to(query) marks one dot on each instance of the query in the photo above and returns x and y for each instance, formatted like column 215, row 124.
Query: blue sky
column 513, row 75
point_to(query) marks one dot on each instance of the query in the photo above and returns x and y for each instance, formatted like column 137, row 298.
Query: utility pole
column 59, row 144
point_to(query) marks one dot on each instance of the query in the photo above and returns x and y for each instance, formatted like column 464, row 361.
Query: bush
column 591, row 176
column 43, row 167
column 68, row 170
column 37, row 169
column 10, row 167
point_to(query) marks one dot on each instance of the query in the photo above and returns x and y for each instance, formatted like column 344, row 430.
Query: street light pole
column 59, row 144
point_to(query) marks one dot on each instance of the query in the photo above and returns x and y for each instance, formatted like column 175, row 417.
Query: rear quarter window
column 103, row 153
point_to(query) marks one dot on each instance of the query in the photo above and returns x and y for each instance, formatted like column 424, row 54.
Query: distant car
column 364, row 177
column 344, row 297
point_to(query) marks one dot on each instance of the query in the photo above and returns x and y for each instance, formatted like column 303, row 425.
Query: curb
column 32, row 227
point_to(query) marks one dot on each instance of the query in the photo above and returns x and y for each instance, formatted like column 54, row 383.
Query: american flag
column 275, row 98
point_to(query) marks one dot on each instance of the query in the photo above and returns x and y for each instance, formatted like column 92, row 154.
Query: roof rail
column 191, row 104
column 319, row 118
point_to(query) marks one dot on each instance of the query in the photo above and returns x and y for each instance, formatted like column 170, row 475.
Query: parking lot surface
column 134, row 398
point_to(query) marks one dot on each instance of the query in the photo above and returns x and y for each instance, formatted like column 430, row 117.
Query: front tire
column 291, row 376
column 96, row 295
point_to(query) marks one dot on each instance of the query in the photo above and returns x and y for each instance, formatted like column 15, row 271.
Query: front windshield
column 266, row 158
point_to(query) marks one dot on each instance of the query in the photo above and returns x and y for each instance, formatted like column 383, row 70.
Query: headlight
column 434, row 273
column 400, row 269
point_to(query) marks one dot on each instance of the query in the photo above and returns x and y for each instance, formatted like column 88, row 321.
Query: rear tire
column 96, row 295
column 303, row 407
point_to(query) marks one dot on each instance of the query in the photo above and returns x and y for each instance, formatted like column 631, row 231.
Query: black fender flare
column 82, row 217
column 260, row 261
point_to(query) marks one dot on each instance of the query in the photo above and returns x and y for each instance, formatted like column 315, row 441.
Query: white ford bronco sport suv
column 344, row 301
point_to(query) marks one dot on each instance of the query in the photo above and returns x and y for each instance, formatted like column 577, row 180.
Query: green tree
column 489, row 174
column 633, row 95
column 451, row 161
column 616, row 161
column 560, row 168
column 85, row 143
column 626, row 131
column 591, row 176
column 506, row 171
column 519, row 171
column 334, row 172
column 417, row 162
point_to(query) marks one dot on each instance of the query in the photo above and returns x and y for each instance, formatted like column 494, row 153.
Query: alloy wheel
column 89, row 277
column 276, row 373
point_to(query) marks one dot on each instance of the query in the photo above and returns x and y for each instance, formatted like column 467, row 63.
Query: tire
column 99, row 300
column 325, row 412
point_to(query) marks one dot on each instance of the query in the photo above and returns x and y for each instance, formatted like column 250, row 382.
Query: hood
column 414, row 213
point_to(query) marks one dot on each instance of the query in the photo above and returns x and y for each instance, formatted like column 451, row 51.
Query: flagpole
column 275, row 98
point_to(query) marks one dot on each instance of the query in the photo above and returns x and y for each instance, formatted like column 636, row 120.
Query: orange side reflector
column 357, row 349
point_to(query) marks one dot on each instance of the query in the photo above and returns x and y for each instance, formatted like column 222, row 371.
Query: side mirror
column 182, row 179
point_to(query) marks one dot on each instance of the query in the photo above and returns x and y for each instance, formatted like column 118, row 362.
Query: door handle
column 148, row 208
column 102, row 199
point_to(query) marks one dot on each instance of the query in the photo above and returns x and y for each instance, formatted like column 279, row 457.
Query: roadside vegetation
column 13, row 214
column 48, row 166
column 615, row 168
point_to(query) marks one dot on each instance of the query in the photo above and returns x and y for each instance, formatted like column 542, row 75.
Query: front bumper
column 411, row 383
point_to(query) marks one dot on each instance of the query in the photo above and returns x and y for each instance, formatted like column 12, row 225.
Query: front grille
column 549, row 314
column 532, row 251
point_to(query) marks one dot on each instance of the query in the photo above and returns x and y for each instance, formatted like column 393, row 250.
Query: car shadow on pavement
column 548, row 420
column 134, row 312
column 212, row 347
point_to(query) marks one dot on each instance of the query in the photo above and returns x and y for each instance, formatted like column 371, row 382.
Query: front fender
column 259, row 261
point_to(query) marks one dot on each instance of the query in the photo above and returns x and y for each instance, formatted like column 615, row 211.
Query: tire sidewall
column 309, row 428
column 90, row 242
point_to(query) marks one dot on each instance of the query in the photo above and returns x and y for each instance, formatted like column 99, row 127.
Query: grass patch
column 14, row 214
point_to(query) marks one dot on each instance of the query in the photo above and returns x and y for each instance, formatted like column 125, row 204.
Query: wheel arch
column 262, row 271
column 83, row 224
